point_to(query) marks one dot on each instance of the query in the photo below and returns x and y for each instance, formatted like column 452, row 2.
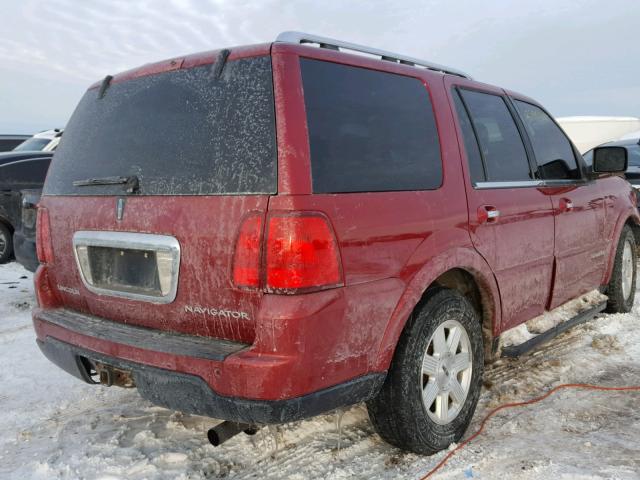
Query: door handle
column 488, row 214
column 566, row 205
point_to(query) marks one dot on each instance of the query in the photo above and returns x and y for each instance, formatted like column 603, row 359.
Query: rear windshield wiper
column 131, row 182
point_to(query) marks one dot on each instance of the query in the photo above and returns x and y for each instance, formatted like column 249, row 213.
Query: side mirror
column 609, row 160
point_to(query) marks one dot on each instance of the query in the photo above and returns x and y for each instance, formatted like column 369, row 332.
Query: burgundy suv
column 267, row 233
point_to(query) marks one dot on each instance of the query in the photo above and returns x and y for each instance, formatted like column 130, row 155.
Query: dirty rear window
column 181, row 133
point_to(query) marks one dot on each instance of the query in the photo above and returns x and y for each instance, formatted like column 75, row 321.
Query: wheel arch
column 5, row 221
column 635, row 228
column 630, row 219
column 462, row 269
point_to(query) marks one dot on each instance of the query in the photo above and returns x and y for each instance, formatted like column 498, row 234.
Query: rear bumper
column 191, row 394
column 25, row 251
column 204, row 376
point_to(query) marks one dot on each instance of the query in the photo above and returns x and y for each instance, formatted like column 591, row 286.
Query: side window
column 368, row 130
column 502, row 149
column 554, row 154
column 470, row 142
column 634, row 155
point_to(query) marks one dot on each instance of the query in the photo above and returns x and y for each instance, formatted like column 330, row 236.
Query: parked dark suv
column 269, row 232
column 18, row 171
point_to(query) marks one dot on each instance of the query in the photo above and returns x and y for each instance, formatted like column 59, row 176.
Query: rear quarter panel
column 397, row 241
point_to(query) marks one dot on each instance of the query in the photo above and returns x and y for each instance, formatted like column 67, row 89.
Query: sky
column 577, row 57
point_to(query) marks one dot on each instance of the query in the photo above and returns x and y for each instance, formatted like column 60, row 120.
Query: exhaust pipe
column 226, row 430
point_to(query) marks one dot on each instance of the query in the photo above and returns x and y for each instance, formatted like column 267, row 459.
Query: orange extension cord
column 584, row 386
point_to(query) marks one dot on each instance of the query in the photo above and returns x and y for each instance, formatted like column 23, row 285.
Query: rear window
column 182, row 132
column 368, row 130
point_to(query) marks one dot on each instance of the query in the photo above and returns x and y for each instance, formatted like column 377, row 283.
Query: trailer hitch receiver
column 110, row 376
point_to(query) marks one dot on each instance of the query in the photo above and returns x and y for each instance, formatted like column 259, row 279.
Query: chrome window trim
column 136, row 241
column 529, row 183
column 511, row 184
column 567, row 182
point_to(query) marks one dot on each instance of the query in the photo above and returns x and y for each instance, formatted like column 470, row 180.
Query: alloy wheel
column 3, row 243
column 627, row 269
column 445, row 377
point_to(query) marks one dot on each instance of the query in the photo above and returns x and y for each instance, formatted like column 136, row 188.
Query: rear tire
column 428, row 398
column 6, row 243
column 622, row 286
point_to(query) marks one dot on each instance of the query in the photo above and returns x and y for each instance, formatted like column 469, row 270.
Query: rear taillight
column 301, row 253
column 246, row 264
column 44, row 248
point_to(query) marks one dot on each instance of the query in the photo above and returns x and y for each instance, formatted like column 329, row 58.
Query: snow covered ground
column 53, row 426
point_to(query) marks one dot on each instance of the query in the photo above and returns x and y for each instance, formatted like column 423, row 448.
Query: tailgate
column 205, row 228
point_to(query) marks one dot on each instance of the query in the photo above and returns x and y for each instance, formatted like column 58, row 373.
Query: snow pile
column 52, row 426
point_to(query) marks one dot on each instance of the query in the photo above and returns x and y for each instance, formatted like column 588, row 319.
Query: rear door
column 578, row 206
column 510, row 215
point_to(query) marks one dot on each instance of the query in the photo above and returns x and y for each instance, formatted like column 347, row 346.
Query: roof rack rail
column 332, row 44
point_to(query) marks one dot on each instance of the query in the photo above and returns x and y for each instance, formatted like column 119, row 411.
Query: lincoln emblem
column 120, row 208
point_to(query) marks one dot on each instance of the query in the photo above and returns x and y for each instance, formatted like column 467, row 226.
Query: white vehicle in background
column 589, row 132
column 631, row 135
column 46, row 141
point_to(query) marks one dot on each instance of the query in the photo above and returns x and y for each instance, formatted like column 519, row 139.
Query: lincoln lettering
column 215, row 312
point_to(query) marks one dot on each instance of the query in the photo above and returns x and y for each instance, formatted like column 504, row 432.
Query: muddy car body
column 270, row 232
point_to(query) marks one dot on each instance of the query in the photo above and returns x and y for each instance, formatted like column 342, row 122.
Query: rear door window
column 183, row 132
column 553, row 151
column 368, row 130
column 501, row 145
column 470, row 141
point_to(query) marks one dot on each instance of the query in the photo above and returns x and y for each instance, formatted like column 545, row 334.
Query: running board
column 514, row 351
